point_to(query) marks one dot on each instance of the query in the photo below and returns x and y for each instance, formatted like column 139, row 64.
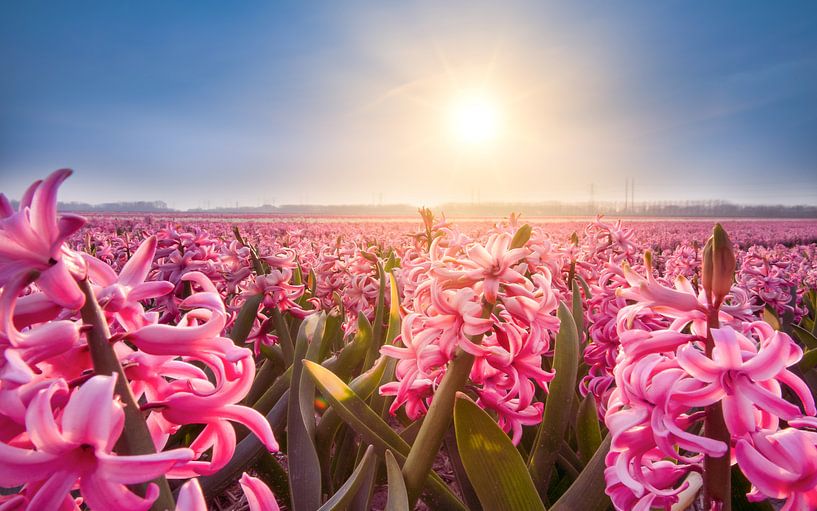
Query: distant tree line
column 711, row 208
column 113, row 207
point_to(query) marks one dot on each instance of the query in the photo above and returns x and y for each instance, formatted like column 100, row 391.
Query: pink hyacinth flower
column 121, row 294
column 33, row 239
column 191, row 497
column 782, row 465
column 748, row 382
column 73, row 447
column 259, row 496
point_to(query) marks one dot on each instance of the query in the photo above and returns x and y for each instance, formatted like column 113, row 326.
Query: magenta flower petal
column 94, row 399
column 138, row 266
column 259, row 496
column 190, row 497
column 53, row 493
column 102, row 494
column 139, row 468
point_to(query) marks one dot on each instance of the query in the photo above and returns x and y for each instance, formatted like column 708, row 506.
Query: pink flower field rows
column 143, row 358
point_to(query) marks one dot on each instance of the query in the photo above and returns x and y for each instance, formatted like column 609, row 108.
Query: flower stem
column 135, row 438
column 717, row 476
column 437, row 421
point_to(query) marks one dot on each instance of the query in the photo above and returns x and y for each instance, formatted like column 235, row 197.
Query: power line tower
column 632, row 193
column 626, row 193
column 593, row 198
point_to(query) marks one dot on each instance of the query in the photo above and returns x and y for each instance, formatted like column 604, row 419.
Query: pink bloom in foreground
column 21, row 351
column 782, row 465
column 75, row 446
column 33, row 239
column 200, row 402
column 747, row 382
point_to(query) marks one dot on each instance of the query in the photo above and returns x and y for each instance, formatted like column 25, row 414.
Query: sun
column 474, row 117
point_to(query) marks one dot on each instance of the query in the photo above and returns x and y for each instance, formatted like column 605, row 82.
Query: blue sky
column 223, row 102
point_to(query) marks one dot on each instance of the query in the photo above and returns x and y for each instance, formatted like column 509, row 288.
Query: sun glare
column 474, row 118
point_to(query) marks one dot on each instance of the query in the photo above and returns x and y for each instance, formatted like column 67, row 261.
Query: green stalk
column 135, row 438
column 438, row 420
column 717, row 478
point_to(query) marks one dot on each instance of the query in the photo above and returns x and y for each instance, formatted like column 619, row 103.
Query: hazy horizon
column 351, row 103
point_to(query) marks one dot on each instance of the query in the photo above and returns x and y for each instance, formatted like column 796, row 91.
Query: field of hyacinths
column 190, row 364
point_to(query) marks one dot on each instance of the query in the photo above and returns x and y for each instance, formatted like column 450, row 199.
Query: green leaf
column 378, row 402
column 561, row 392
column 374, row 430
column 587, row 293
column 770, row 317
column 304, row 465
column 270, row 370
column 379, row 311
column 466, row 488
column 804, row 336
column 273, row 474
column 350, row 357
column 245, row 319
column 494, row 466
column 346, row 493
column 398, row 497
column 588, row 432
column 364, row 385
column 577, row 310
column 284, row 339
column 587, row 492
column 809, row 360
column 271, row 396
column 332, row 331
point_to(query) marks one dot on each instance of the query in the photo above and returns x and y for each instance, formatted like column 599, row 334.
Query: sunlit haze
column 474, row 118
column 218, row 104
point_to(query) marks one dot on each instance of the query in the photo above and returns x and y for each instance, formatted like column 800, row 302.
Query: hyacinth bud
column 521, row 237
column 718, row 266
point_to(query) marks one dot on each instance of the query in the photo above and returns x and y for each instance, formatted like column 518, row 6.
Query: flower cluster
column 67, row 416
column 666, row 378
column 476, row 299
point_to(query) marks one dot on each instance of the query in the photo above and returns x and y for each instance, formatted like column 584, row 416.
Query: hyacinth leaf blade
column 469, row 495
column 273, row 474
column 304, row 465
column 397, row 499
column 494, row 466
column 809, row 360
column 587, row 491
column 379, row 402
column 374, row 430
column 578, row 310
column 284, row 339
column 346, row 493
column 362, row 386
column 332, row 333
column 246, row 317
column 561, row 392
column 588, row 432
column 379, row 312
column 348, row 360
column 804, row 336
